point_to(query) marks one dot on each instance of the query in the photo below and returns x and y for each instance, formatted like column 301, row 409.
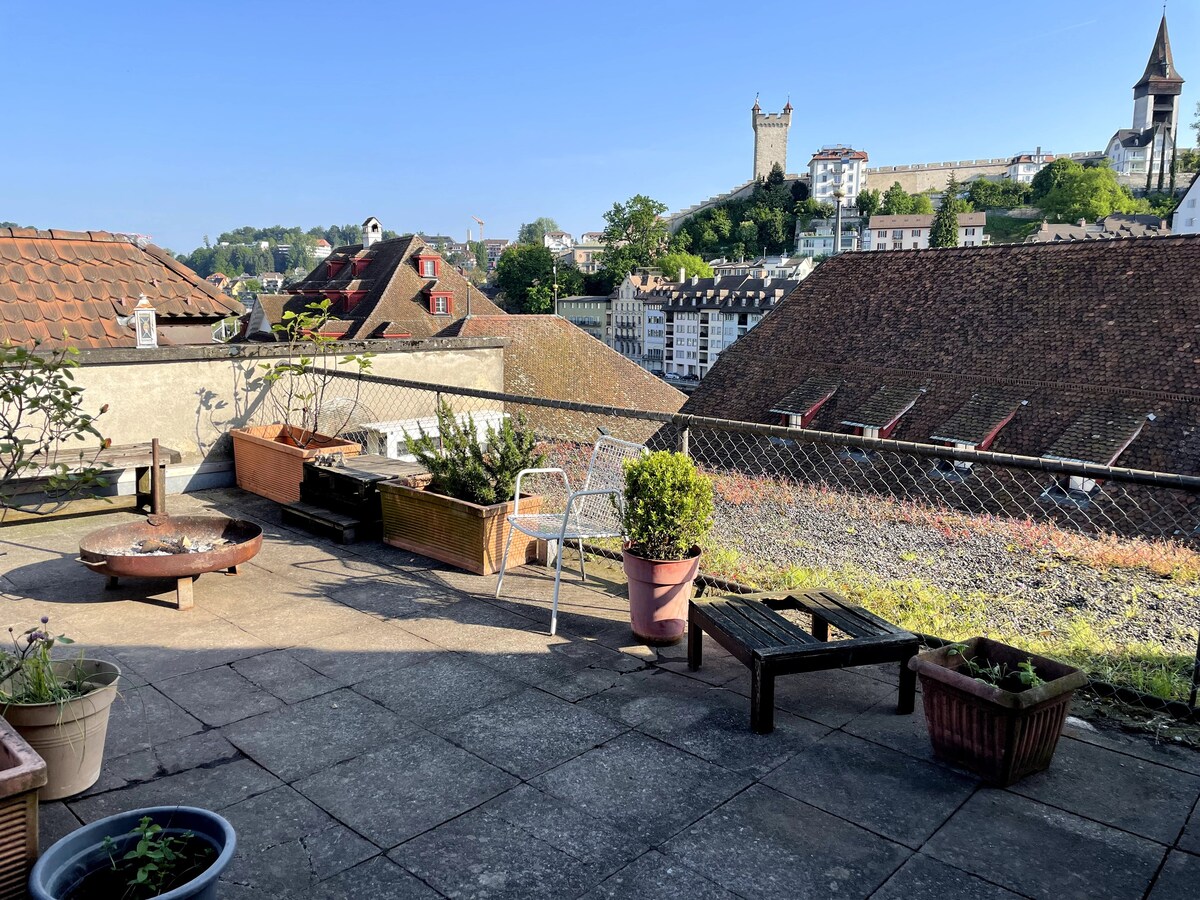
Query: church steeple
column 1160, row 68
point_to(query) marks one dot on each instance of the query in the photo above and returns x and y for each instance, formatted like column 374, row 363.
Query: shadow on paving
column 376, row 726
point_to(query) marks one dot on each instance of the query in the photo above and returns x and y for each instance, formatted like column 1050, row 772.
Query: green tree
column 533, row 232
column 868, row 203
column 635, row 234
column 1088, row 193
column 519, row 268
column 944, row 232
column 671, row 263
column 1051, row 177
column 985, row 194
column 479, row 250
column 922, row 205
column 896, row 201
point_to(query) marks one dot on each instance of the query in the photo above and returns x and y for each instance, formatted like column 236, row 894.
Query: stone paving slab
column 218, row 696
column 397, row 791
column 1123, row 791
column 1179, row 878
column 378, row 878
column 765, row 844
column 529, row 732
column 314, row 734
column 354, row 656
column 641, row 785
column 887, row 792
column 833, row 697
column 282, row 675
column 924, row 878
column 141, row 717
column 1190, row 839
column 1043, row 852
column 655, row 875
column 438, row 689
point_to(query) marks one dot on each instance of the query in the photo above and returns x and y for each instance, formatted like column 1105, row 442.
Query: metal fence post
column 684, row 440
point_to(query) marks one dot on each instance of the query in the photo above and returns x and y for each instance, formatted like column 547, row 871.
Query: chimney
column 682, row 274
column 1083, row 223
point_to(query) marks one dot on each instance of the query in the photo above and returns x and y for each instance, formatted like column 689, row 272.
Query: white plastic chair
column 591, row 512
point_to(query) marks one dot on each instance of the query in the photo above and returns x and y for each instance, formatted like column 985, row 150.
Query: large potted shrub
column 668, row 510
column 59, row 706
column 174, row 852
column 993, row 709
column 269, row 459
column 459, row 516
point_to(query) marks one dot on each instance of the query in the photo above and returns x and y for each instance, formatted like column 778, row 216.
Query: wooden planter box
column 1000, row 735
column 22, row 772
column 464, row 535
column 270, row 463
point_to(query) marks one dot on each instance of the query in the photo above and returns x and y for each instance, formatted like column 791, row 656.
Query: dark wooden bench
column 750, row 628
column 149, row 491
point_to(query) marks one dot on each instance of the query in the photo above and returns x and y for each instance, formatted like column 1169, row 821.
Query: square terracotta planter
column 270, row 462
column 22, row 772
column 1000, row 735
column 465, row 535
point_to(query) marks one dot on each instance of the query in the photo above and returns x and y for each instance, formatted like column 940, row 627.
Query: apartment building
column 912, row 232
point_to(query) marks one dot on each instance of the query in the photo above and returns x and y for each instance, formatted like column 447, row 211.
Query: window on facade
column 440, row 305
column 427, row 268
column 896, row 245
column 881, row 234
column 916, row 232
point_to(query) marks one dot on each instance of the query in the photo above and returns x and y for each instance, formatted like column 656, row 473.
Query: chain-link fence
column 1096, row 564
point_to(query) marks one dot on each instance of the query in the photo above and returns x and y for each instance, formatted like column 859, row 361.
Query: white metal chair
column 591, row 512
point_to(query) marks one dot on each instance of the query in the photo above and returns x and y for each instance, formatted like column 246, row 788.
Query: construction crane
column 480, row 221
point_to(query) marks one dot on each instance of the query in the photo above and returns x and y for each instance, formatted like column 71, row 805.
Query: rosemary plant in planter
column 668, row 510
column 165, row 851
column 993, row 709
column 59, row 706
column 269, row 459
column 458, row 517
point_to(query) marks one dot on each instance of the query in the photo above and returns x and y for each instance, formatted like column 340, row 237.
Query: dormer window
column 801, row 405
column 879, row 416
column 974, row 427
column 357, row 266
column 335, row 266
column 1097, row 436
column 429, row 265
column 441, row 303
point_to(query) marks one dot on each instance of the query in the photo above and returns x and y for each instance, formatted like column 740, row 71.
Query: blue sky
column 181, row 119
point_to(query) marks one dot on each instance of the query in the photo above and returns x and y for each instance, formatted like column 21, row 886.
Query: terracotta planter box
column 22, row 772
column 464, row 535
column 998, row 734
column 270, row 463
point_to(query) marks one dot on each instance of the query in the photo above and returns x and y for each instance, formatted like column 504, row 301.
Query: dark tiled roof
column 395, row 295
column 549, row 357
column 80, row 282
column 1098, row 436
column 725, row 292
column 801, row 400
column 979, row 417
column 1072, row 327
column 884, row 407
column 1160, row 67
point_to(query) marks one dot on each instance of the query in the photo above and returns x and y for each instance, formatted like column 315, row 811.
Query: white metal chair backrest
column 606, row 472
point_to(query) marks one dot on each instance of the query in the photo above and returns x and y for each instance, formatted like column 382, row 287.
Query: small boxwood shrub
column 668, row 505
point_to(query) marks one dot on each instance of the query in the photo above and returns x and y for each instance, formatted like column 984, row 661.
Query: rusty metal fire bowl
column 179, row 547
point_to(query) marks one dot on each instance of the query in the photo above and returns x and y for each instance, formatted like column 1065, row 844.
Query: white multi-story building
column 703, row 316
column 1187, row 213
column 819, row 238
column 1023, row 166
column 837, row 169
column 626, row 330
column 654, row 343
column 912, row 232
column 557, row 241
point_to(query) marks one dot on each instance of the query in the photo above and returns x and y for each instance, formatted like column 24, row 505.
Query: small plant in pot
column 459, row 516
column 174, row 852
column 993, row 709
column 59, row 706
column 667, row 511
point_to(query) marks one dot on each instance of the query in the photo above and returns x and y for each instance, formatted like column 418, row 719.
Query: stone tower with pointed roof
column 770, row 138
column 1156, row 95
column 1146, row 152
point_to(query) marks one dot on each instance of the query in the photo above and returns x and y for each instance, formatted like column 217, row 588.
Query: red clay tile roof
column 1073, row 328
column 396, row 296
column 77, row 282
column 551, row 358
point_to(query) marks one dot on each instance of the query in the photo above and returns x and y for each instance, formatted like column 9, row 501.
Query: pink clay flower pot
column 659, row 590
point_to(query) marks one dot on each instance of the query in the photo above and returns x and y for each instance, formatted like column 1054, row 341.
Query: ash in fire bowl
column 167, row 546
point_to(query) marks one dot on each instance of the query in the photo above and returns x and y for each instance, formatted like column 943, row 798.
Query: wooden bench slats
column 752, row 637
column 780, row 631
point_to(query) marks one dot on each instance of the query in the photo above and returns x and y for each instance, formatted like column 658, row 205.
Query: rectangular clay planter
column 1000, row 735
column 22, row 772
column 269, row 461
column 464, row 535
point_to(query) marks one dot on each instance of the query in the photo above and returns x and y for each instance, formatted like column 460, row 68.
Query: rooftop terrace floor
column 375, row 725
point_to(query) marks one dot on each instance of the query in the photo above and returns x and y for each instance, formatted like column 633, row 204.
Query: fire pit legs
column 183, row 592
column 232, row 570
column 113, row 583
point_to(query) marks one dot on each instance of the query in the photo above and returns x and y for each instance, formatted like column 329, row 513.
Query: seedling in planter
column 158, row 863
column 996, row 674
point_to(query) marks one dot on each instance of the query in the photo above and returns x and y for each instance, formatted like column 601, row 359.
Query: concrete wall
column 189, row 397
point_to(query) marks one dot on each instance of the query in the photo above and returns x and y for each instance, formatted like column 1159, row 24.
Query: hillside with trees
column 763, row 221
column 243, row 255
